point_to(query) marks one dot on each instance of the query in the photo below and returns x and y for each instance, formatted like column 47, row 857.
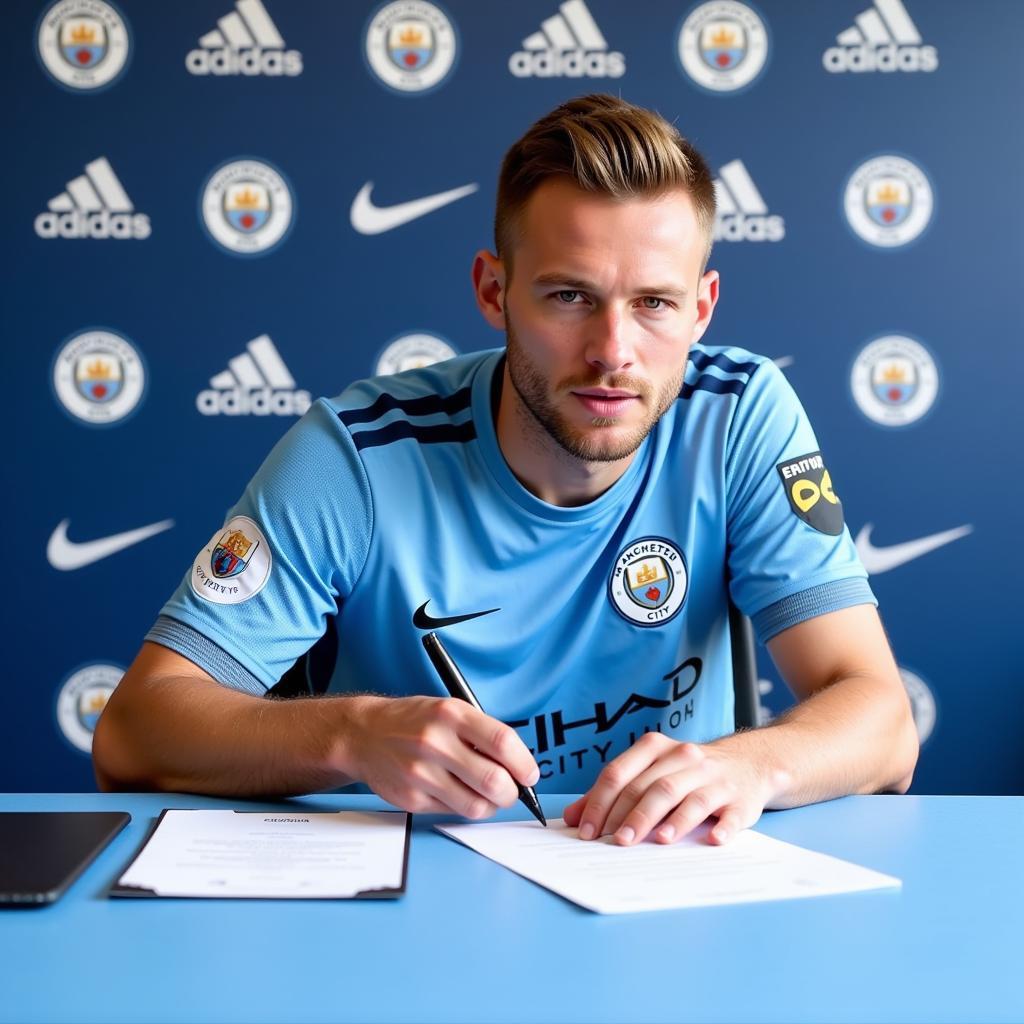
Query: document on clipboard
column 224, row 854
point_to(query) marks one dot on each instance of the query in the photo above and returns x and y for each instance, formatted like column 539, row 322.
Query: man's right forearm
column 193, row 735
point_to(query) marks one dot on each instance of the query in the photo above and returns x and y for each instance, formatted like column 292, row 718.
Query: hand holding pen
column 432, row 755
column 456, row 685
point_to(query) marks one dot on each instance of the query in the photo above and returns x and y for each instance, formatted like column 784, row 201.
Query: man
column 575, row 512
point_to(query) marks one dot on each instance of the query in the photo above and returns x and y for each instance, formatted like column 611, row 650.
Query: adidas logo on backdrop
column 742, row 215
column 882, row 38
column 95, row 205
column 256, row 383
column 245, row 42
column 568, row 44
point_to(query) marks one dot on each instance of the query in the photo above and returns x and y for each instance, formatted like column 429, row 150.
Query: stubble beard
column 539, row 405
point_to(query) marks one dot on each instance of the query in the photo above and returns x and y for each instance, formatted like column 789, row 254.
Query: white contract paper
column 610, row 879
column 270, row 854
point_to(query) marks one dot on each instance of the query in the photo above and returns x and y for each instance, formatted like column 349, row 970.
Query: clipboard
column 121, row 890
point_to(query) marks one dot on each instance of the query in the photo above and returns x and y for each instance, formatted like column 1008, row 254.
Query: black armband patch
column 808, row 487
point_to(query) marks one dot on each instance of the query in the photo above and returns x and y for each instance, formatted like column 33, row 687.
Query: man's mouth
column 605, row 403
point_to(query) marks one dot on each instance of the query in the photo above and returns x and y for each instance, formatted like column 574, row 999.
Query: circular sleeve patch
column 235, row 565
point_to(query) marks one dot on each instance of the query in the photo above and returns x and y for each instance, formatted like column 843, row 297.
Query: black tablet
column 43, row 852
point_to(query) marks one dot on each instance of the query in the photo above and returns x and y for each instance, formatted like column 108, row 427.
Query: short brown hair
column 602, row 144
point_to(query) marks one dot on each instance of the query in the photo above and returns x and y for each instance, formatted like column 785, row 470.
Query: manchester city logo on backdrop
column 247, row 207
column 411, row 352
column 894, row 380
column 411, row 45
column 98, row 377
column 922, row 703
column 888, row 201
column 81, row 699
column 723, row 45
column 649, row 581
column 235, row 565
column 83, row 44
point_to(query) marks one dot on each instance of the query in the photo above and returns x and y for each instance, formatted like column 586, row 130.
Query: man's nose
column 610, row 344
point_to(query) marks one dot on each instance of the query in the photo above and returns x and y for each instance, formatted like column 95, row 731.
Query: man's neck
column 539, row 462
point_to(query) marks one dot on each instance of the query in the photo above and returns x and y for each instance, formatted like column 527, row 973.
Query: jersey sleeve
column 259, row 594
column 791, row 556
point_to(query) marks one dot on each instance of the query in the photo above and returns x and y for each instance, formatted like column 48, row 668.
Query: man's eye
column 652, row 302
column 568, row 297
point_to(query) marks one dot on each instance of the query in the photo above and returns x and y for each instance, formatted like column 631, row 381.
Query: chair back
column 744, row 669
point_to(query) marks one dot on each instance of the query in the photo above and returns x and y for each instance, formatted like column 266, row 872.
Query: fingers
column 662, row 789
column 633, row 817
column 731, row 821
column 467, row 747
column 680, row 818
column 484, row 777
column 434, row 755
column 574, row 811
column 432, row 789
column 495, row 740
column 621, row 784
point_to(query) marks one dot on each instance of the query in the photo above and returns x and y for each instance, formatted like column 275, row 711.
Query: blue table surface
column 471, row 941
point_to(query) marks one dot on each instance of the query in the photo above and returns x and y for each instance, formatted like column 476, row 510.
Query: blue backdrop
column 208, row 226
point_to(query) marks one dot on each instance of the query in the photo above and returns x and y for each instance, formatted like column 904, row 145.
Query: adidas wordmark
column 882, row 38
column 570, row 45
column 256, row 383
column 245, row 42
column 95, row 205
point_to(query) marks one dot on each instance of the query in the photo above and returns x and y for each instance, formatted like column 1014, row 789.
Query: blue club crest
column 98, row 376
column 247, row 206
column 411, row 44
column 888, row 201
column 723, row 44
column 650, row 582
column 894, row 381
column 232, row 554
column 83, row 42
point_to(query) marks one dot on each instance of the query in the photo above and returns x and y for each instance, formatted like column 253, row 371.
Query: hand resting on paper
column 665, row 789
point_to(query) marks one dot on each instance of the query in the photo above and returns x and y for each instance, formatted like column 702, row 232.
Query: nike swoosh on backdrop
column 65, row 555
column 369, row 219
column 878, row 560
column 421, row 620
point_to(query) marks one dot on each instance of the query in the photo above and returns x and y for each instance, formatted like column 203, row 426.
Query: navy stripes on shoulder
column 702, row 360
column 716, row 385
column 422, row 406
column 438, row 433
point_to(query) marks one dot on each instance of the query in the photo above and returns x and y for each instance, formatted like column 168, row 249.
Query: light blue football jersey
column 609, row 619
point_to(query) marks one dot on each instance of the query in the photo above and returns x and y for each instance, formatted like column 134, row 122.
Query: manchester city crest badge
column 649, row 582
column 230, row 554
column 235, row 565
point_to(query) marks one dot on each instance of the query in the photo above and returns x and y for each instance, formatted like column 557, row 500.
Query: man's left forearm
column 855, row 736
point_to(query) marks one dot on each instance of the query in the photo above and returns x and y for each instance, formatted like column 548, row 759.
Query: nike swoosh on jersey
column 65, row 555
column 369, row 219
column 421, row 620
column 878, row 560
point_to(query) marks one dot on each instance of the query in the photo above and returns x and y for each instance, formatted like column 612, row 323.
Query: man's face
column 605, row 300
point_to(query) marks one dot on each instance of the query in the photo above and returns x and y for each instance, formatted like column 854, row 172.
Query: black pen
column 455, row 683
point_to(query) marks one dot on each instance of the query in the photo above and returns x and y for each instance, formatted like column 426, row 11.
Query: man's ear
column 489, row 287
column 707, row 297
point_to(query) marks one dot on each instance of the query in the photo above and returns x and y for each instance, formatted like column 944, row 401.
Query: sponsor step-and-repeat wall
column 219, row 210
